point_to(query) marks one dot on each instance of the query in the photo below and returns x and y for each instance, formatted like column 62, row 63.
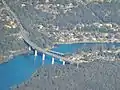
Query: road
column 24, row 34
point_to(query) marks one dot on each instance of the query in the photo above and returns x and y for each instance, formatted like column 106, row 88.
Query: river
column 21, row 67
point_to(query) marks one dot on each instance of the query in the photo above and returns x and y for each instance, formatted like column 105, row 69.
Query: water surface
column 21, row 67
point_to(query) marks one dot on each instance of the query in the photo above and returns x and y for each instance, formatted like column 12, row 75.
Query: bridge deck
column 26, row 39
column 55, row 52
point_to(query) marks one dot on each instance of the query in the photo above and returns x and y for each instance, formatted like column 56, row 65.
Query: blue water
column 21, row 67
column 71, row 48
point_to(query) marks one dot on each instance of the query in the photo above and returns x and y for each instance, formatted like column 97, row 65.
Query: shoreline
column 74, row 63
column 8, row 58
column 75, row 42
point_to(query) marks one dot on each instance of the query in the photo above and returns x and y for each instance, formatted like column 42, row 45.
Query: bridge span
column 25, row 34
column 55, row 52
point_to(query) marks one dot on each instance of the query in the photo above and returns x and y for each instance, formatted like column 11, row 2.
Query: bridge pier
column 60, row 59
column 53, row 60
column 29, row 48
column 63, row 62
column 43, row 57
column 35, row 53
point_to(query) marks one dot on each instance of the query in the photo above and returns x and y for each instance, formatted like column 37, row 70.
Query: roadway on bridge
column 24, row 34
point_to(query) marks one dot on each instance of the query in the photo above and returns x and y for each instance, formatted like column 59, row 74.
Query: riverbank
column 94, row 52
column 10, row 57
column 23, row 66
column 24, row 51
column 88, row 76
column 75, row 42
column 90, row 55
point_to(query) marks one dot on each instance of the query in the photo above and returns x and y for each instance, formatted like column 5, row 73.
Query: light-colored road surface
column 25, row 37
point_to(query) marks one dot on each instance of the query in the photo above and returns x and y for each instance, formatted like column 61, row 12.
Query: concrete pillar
column 53, row 59
column 43, row 57
column 77, row 65
column 60, row 59
column 63, row 62
column 35, row 52
column 29, row 48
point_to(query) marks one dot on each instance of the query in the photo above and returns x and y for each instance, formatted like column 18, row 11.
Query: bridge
column 25, row 34
column 55, row 52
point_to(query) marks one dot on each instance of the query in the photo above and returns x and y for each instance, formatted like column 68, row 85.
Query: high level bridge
column 25, row 34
